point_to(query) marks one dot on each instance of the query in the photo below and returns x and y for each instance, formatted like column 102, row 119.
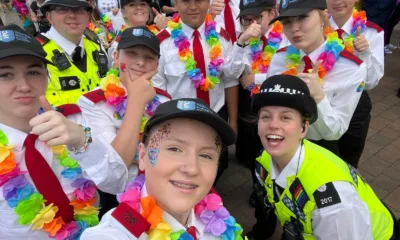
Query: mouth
column 139, row 14
column 25, row 99
column 297, row 39
column 274, row 140
column 74, row 25
column 185, row 186
column 338, row 8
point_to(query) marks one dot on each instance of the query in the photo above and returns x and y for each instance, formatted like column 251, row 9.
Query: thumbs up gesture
column 253, row 31
column 55, row 129
column 217, row 6
column 312, row 81
column 160, row 20
column 360, row 43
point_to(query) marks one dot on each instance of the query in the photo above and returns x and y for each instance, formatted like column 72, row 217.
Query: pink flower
column 211, row 202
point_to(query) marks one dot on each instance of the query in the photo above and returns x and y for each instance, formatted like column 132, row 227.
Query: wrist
column 85, row 141
column 318, row 98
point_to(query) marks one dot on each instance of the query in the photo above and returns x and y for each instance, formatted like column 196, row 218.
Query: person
column 39, row 16
column 313, row 193
column 199, row 61
column 336, row 78
column 168, row 7
column 179, row 154
column 47, row 190
column 366, row 40
column 21, row 8
column 79, row 61
column 225, row 13
column 118, row 111
column 379, row 12
column 100, row 29
column 391, row 24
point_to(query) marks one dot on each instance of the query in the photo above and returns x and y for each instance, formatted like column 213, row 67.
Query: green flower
column 3, row 138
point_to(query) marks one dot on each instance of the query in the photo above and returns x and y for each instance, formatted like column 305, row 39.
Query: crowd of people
column 119, row 129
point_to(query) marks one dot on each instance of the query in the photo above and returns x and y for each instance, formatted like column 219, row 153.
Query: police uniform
column 77, row 68
column 115, row 225
column 352, row 143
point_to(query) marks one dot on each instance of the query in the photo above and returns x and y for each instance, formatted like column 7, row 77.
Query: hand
column 247, row 81
column 160, row 20
column 217, row 6
column 234, row 126
column 254, row 31
column 115, row 11
column 360, row 43
column 55, row 129
column 312, row 81
column 141, row 90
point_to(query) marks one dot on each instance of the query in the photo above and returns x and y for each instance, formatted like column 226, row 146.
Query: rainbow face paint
column 155, row 141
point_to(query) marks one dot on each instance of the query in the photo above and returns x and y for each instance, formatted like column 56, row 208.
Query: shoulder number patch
column 326, row 196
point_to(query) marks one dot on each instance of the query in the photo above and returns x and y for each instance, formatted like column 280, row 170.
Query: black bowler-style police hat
column 135, row 36
column 191, row 108
column 66, row 3
column 16, row 42
column 254, row 7
column 286, row 91
column 294, row 8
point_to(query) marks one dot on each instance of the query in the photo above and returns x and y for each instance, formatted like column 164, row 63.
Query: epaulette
column 374, row 26
column 42, row 39
column 164, row 34
column 68, row 109
column 91, row 36
column 326, row 195
column 282, row 49
column 352, row 57
column 223, row 33
column 95, row 96
column 163, row 93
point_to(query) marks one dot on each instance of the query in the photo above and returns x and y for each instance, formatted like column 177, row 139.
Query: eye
column 286, row 21
column 34, row 73
column 286, row 118
column 265, row 117
column 207, row 156
column 6, row 75
column 174, row 149
column 303, row 17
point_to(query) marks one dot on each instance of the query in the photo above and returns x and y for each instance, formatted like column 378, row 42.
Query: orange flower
column 114, row 91
column 291, row 71
column 8, row 164
column 215, row 51
column 79, row 204
column 151, row 211
column 328, row 30
column 54, row 226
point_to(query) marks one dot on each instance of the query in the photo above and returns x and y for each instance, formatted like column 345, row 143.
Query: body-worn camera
column 292, row 230
column 102, row 62
column 60, row 60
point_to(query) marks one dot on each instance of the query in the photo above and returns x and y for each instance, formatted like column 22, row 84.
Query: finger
column 358, row 31
column 149, row 75
column 42, row 118
column 155, row 11
column 49, row 135
column 46, row 106
column 42, row 128
column 316, row 67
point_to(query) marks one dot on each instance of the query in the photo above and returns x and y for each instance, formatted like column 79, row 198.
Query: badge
column 69, row 83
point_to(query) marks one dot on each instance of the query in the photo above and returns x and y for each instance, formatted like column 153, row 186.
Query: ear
column 123, row 13
column 116, row 56
column 48, row 16
column 142, row 156
column 304, row 129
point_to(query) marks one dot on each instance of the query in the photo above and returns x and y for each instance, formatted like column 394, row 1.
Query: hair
column 324, row 18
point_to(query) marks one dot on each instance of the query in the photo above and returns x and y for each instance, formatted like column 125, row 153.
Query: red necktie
column 192, row 232
column 46, row 181
column 340, row 33
column 264, row 40
column 229, row 23
column 308, row 64
column 199, row 58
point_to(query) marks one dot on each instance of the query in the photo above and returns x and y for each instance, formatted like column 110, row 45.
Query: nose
column 295, row 26
column 23, row 85
column 274, row 123
column 190, row 166
column 140, row 62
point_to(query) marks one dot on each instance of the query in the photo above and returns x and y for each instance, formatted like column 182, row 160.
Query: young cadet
column 366, row 40
column 79, row 61
column 118, row 111
column 46, row 190
column 314, row 193
column 336, row 78
column 225, row 13
column 198, row 60
column 179, row 154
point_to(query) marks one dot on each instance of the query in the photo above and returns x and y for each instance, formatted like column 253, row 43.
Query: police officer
column 79, row 61
column 314, row 193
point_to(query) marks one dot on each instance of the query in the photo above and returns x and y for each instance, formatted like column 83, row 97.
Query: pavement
column 379, row 164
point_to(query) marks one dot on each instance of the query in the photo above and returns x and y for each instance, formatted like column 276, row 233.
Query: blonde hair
column 325, row 21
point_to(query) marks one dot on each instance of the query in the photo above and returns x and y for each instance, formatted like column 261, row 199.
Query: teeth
column 275, row 137
column 183, row 185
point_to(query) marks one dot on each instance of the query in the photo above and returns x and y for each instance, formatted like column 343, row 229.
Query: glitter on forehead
column 218, row 143
column 155, row 141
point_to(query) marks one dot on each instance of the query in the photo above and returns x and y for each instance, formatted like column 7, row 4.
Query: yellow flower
column 86, row 211
column 4, row 152
column 59, row 150
column 45, row 215
column 161, row 232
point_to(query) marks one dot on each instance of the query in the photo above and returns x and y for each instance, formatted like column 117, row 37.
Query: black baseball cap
column 294, row 8
column 66, row 3
column 254, row 7
column 191, row 108
column 135, row 36
column 124, row 2
column 14, row 41
column 286, row 91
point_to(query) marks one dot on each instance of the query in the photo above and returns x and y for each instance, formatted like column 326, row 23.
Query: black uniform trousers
column 351, row 144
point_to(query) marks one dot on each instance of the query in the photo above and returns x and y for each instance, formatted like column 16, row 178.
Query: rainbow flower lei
column 359, row 20
column 262, row 59
column 333, row 47
column 28, row 204
column 152, row 28
column 107, row 22
column 216, row 217
column 98, row 30
column 186, row 55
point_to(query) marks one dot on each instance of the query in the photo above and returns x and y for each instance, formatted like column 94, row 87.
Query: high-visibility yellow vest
column 320, row 167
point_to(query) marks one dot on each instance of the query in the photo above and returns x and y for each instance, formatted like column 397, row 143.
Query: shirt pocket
column 174, row 67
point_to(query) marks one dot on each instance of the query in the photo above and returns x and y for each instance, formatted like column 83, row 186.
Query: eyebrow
column 186, row 142
column 35, row 65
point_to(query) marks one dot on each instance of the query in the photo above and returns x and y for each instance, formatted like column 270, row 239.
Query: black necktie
column 76, row 57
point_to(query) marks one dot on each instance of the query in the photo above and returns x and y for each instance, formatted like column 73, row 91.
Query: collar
column 346, row 27
column 175, row 225
column 188, row 31
column 291, row 168
column 64, row 43
column 15, row 136
column 315, row 54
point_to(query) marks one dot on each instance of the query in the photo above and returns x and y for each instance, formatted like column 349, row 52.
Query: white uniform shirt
column 259, row 78
column 104, row 172
column 110, row 229
column 342, row 87
column 172, row 77
column 220, row 19
column 349, row 219
column 100, row 118
column 373, row 56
